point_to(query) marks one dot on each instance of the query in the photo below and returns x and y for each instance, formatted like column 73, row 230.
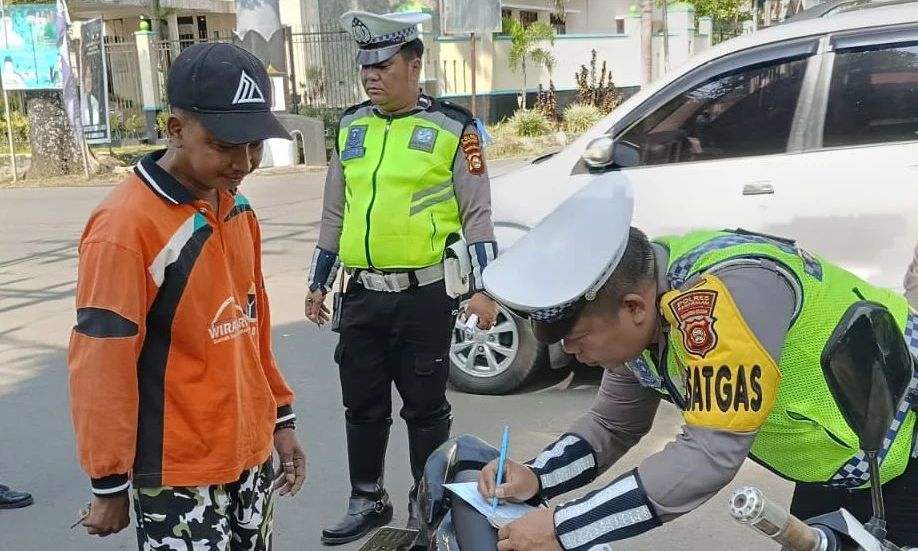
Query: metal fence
column 322, row 62
column 125, row 94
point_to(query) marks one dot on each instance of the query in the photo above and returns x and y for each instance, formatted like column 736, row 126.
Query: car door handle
column 760, row 188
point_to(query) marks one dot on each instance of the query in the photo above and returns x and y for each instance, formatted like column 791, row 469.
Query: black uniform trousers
column 900, row 498
column 400, row 338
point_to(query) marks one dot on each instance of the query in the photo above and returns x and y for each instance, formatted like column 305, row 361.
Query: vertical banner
column 94, row 84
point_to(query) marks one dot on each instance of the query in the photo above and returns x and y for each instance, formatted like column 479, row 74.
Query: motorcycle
column 447, row 524
column 867, row 366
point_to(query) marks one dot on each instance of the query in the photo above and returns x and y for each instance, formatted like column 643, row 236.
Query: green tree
column 727, row 16
column 722, row 9
column 525, row 44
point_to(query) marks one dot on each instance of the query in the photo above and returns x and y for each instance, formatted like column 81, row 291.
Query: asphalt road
column 39, row 231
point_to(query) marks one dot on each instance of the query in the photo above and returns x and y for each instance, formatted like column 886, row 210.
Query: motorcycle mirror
column 868, row 367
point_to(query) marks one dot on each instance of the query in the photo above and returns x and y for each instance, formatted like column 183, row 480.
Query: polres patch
column 694, row 313
column 471, row 146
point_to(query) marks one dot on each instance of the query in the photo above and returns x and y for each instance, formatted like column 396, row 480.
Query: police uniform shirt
column 471, row 185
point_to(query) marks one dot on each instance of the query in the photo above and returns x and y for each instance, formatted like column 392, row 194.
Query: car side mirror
column 600, row 153
column 868, row 367
column 603, row 153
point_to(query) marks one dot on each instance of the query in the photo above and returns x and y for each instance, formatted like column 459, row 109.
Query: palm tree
column 524, row 44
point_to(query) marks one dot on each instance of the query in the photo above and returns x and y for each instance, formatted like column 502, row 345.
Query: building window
column 186, row 31
column 620, row 25
column 528, row 17
column 557, row 24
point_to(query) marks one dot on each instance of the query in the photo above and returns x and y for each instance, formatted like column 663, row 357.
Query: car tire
column 506, row 357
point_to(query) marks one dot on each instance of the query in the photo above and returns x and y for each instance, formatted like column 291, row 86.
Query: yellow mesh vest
column 400, row 203
column 805, row 438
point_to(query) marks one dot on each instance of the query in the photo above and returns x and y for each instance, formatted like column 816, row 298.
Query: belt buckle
column 391, row 281
column 375, row 282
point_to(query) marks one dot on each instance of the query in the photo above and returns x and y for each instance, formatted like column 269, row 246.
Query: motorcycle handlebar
column 750, row 506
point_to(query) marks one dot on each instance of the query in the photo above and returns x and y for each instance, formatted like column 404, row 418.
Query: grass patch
column 508, row 145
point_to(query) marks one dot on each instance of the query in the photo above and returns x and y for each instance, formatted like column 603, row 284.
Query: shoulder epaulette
column 453, row 111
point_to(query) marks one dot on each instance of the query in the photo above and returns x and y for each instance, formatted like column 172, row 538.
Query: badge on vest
column 353, row 148
column 423, row 138
column 730, row 381
column 694, row 312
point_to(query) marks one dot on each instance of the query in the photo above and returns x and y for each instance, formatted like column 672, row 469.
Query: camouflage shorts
column 225, row 517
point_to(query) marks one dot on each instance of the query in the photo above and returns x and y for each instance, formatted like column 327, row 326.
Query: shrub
column 596, row 88
column 20, row 124
column 579, row 117
column 529, row 122
column 162, row 119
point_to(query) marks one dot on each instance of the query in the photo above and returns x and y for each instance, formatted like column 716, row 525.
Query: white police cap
column 567, row 257
column 380, row 37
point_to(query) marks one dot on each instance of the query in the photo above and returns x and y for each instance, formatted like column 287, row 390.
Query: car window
column 741, row 113
column 873, row 97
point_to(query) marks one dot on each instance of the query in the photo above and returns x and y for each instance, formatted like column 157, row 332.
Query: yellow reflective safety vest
column 400, row 203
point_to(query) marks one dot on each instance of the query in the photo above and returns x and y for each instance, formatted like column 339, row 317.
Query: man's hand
column 519, row 482
column 316, row 311
column 292, row 472
column 108, row 515
column 486, row 309
column 534, row 532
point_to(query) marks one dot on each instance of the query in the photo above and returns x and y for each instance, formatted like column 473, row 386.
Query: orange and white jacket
column 172, row 377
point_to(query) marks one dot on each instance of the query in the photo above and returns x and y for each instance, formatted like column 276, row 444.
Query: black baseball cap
column 227, row 89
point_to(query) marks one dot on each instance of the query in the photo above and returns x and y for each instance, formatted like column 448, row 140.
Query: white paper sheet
column 504, row 513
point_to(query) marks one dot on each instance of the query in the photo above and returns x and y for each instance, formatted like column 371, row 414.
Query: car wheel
column 495, row 361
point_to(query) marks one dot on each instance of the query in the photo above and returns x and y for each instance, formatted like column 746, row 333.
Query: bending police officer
column 407, row 176
column 729, row 327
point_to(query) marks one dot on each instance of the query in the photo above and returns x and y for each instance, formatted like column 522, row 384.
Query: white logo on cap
column 248, row 91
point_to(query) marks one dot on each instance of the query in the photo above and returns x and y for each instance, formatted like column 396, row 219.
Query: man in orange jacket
column 174, row 387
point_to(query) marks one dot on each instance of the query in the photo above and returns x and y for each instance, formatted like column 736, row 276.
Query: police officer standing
column 729, row 327
column 407, row 177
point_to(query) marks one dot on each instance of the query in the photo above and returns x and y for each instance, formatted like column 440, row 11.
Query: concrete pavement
column 39, row 230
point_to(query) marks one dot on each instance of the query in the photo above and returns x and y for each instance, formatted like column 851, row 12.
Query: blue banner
column 29, row 47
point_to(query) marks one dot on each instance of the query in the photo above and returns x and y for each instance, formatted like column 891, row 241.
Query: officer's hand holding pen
column 520, row 483
column 316, row 310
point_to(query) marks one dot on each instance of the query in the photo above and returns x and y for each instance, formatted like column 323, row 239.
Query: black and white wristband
column 618, row 511
column 482, row 253
column 567, row 464
column 110, row 486
column 323, row 270
column 286, row 419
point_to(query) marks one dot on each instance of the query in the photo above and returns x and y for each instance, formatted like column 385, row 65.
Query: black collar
column 161, row 182
column 424, row 103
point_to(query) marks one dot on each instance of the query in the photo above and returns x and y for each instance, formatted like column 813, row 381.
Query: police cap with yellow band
column 380, row 37
column 553, row 271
